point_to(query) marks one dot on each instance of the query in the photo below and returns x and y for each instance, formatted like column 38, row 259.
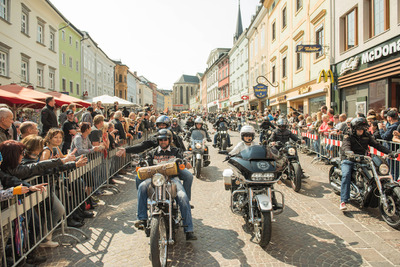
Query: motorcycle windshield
column 254, row 153
column 198, row 135
column 222, row 126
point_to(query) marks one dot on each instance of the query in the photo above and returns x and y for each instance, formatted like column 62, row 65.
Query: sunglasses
column 163, row 140
column 247, row 135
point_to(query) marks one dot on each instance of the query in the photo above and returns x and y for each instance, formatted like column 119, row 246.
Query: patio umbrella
column 69, row 98
column 30, row 93
column 16, row 102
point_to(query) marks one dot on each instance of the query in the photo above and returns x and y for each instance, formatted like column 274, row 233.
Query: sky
column 160, row 39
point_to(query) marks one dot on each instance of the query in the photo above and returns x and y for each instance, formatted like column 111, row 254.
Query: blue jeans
column 215, row 138
column 185, row 175
column 181, row 198
column 347, row 169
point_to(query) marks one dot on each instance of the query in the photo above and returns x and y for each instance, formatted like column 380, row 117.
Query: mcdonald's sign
column 325, row 74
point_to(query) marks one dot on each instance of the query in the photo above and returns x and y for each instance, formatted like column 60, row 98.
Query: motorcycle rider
column 189, row 123
column 162, row 122
column 265, row 125
column 356, row 139
column 221, row 119
column 175, row 127
column 199, row 125
column 164, row 152
column 247, row 134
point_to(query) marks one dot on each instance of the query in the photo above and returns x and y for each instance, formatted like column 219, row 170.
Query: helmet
column 359, row 124
column 174, row 120
column 199, row 120
column 247, row 130
column 282, row 123
column 163, row 119
column 220, row 117
column 164, row 133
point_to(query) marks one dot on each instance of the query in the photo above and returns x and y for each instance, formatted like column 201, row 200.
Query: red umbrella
column 70, row 99
column 16, row 101
column 30, row 93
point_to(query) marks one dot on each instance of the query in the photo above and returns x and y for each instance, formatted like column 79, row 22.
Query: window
column 63, row 35
column 299, row 4
column 77, row 89
column 40, row 31
column 120, row 78
column 319, row 39
column 76, row 45
column 52, row 78
column 284, row 67
column 284, row 18
column 273, row 30
column 71, row 86
column 70, row 62
column 4, row 54
column 4, row 9
column 273, row 74
column 25, row 68
column 24, row 19
column 63, row 58
column 70, row 40
column 380, row 16
column 40, row 70
column 299, row 61
column 77, row 65
column 351, row 29
column 263, row 36
column 52, row 39
column 64, row 85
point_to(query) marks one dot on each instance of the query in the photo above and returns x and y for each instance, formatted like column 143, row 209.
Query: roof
column 188, row 79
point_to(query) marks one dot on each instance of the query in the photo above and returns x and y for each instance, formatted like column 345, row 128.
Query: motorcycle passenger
column 175, row 127
column 162, row 122
column 199, row 125
column 247, row 134
column 221, row 119
column 265, row 125
column 163, row 153
column 356, row 139
column 190, row 123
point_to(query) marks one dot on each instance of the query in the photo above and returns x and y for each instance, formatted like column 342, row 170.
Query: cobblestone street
column 310, row 232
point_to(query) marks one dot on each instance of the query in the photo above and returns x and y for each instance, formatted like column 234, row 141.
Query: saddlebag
column 167, row 169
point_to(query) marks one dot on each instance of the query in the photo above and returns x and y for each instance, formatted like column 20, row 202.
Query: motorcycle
column 198, row 148
column 251, row 182
column 266, row 134
column 164, row 219
column 234, row 125
column 222, row 136
column 290, row 165
column 371, row 185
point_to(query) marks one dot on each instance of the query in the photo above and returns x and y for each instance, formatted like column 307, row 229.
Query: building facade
column 183, row 89
column 132, row 90
column 29, row 45
column 223, row 83
column 203, row 93
column 121, row 80
column 160, row 101
column 145, row 95
column 195, row 98
column 366, row 55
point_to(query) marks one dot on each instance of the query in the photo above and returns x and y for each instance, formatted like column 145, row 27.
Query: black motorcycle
column 222, row 136
column 289, row 164
column 266, row 135
column 371, row 185
column 251, row 182
column 199, row 150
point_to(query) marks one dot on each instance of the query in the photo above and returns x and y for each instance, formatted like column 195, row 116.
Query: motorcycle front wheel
column 295, row 176
column 158, row 241
column 224, row 144
column 391, row 214
column 263, row 233
column 198, row 168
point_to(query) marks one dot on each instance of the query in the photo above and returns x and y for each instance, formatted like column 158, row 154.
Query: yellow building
column 121, row 84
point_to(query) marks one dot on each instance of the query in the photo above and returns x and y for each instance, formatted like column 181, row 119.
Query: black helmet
column 163, row 119
column 164, row 134
column 282, row 123
column 359, row 124
column 220, row 117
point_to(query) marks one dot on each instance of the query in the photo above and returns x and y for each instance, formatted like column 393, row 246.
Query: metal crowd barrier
column 26, row 220
column 327, row 146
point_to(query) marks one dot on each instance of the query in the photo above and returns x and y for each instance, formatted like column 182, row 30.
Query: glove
column 392, row 155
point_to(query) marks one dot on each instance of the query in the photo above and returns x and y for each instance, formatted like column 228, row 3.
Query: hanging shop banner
column 308, row 48
column 260, row 90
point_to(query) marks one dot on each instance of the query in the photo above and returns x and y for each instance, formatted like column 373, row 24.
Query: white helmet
column 247, row 130
column 199, row 120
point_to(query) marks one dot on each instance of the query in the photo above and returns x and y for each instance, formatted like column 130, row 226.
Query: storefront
column 279, row 103
column 213, row 106
column 370, row 80
column 309, row 101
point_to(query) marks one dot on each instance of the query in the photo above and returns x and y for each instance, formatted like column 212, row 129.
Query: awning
column 70, row 99
column 107, row 100
column 15, row 101
column 319, row 91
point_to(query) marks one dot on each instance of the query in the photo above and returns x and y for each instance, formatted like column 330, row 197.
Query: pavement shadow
column 212, row 242
column 299, row 244
column 210, row 174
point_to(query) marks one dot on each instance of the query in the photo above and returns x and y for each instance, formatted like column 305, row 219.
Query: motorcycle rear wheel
column 295, row 176
column 392, row 215
column 158, row 241
column 198, row 168
column 264, row 232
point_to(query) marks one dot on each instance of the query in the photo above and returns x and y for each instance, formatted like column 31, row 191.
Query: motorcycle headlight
column 263, row 176
column 269, row 132
column 158, row 179
column 383, row 169
column 223, row 132
column 198, row 145
column 292, row 151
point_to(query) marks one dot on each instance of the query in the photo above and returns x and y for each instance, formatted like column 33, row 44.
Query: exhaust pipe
column 352, row 186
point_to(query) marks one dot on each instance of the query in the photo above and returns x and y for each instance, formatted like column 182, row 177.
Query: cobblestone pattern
column 310, row 232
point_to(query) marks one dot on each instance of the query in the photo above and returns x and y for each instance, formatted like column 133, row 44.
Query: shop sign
column 281, row 98
column 381, row 51
column 272, row 101
column 304, row 90
column 348, row 65
column 260, row 90
column 308, row 48
column 324, row 74
column 245, row 97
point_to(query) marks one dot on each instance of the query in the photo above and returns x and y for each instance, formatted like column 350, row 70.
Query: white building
column 98, row 69
column 29, row 44
column 132, row 93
